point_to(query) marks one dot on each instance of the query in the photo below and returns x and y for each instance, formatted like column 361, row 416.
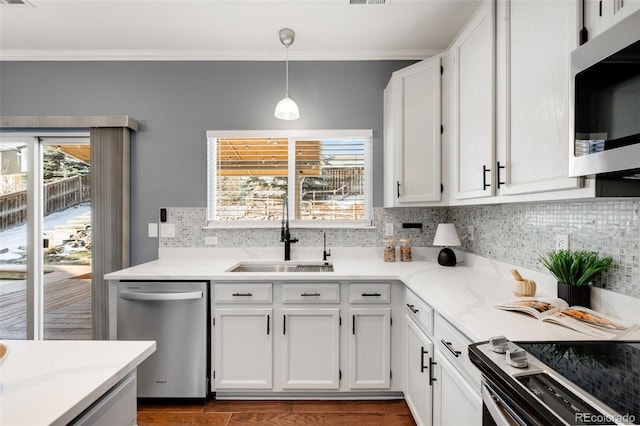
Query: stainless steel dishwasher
column 174, row 314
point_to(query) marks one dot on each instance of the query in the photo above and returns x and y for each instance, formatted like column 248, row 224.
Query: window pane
column 330, row 179
column 251, row 178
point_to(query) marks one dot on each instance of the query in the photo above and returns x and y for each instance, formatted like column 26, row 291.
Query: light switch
column 168, row 230
column 153, row 230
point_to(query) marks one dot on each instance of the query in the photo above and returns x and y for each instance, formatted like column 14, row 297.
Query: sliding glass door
column 45, row 238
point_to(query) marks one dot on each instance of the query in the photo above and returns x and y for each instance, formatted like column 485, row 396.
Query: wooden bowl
column 4, row 352
column 524, row 288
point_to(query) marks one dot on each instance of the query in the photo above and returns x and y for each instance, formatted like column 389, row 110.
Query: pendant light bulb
column 287, row 109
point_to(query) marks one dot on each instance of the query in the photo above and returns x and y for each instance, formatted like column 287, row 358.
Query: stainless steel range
column 559, row 383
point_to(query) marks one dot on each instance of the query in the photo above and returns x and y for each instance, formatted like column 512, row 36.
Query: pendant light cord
column 286, row 84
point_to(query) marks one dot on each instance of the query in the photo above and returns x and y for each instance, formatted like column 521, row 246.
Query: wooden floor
column 67, row 311
column 339, row 413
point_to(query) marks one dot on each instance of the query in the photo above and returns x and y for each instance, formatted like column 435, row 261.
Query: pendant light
column 287, row 109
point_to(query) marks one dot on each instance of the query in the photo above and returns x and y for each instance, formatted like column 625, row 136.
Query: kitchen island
column 62, row 382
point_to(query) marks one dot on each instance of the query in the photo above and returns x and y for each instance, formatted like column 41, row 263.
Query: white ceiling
column 228, row 29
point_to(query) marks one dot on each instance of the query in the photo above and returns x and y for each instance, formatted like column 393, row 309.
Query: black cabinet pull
column 242, row 294
column 398, row 188
column 448, row 346
column 268, row 324
column 353, row 325
column 500, row 183
column 371, row 295
column 310, row 294
column 431, row 378
column 422, row 354
column 284, row 324
column 485, row 185
column 415, row 311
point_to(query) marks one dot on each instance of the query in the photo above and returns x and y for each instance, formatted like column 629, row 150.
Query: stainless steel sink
column 282, row 267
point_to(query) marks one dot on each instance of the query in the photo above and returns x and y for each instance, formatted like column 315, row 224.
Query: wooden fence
column 58, row 196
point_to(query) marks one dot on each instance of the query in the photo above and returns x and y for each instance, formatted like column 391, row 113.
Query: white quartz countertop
column 51, row 382
column 464, row 294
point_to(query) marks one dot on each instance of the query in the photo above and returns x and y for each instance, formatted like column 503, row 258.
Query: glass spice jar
column 405, row 249
column 389, row 250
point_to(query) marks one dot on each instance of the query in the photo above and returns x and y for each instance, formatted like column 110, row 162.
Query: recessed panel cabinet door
column 418, row 387
column 311, row 343
column 473, row 60
column 420, row 176
column 455, row 402
column 370, row 348
column 412, row 139
column 539, row 38
column 243, row 348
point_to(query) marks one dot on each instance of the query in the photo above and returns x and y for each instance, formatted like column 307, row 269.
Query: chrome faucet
column 285, row 234
column 325, row 253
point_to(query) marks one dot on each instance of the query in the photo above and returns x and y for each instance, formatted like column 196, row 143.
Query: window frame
column 366, row 134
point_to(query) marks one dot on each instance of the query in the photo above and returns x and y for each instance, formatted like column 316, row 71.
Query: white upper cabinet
column 472, row 58
column 603, row 14
column 537, row 40
column 412, row 135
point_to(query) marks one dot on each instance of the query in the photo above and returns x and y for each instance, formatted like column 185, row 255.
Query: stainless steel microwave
column 605, row 74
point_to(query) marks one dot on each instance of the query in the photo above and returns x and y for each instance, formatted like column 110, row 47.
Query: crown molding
column 195, row 55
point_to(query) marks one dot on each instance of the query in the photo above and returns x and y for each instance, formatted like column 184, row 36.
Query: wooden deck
column 67, row 311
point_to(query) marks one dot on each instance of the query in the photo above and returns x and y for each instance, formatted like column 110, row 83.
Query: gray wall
column 177, row 102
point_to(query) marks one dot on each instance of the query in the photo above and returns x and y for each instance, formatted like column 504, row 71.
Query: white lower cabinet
column 311, row 348
column 418, row 389
column 442, row 387
column 370, row 348
column 455, row 402
column 243, row 348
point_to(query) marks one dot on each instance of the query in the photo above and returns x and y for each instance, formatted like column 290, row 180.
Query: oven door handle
column 501, row 414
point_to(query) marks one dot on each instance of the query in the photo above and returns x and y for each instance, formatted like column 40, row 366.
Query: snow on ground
column 15, row 239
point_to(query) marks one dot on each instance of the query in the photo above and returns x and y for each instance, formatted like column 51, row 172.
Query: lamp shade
column 287, row 109
column 446, row 235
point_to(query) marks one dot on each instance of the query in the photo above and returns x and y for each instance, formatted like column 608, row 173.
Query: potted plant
column 574, row 270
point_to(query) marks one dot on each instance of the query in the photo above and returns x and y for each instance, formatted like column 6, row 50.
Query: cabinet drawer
column 369, row 293
column 239, row 292
column 422, row 313
column 311, row 293
column 454, row 346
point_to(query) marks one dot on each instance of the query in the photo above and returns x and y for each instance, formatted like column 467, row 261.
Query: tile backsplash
column 513, row 233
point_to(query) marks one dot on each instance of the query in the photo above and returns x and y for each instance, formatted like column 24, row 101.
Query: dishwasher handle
column 158, row 296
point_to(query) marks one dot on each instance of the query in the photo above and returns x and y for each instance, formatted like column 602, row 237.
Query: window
column 324, row 174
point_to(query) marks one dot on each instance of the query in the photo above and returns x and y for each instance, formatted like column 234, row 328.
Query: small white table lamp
column 446, row 236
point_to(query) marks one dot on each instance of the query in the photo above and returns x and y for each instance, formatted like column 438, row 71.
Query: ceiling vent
column 383, row 2
column 16, row 3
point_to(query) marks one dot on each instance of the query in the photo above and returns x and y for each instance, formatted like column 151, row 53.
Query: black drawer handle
column 431, row 378
column 415, row 311
column 448, row 346
column 422, row 354
column 371, row 295
column 485, row 185
column 310, row 294
column 242, row 294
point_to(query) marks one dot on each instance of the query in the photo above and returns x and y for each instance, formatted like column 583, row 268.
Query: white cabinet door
column 311, row 343
column 539, row 39
column 455, row 402
column 243, row 348
column 413, row 135
column 473, row 115
column 603, row 14
column 370, row 348
column 418, row 389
